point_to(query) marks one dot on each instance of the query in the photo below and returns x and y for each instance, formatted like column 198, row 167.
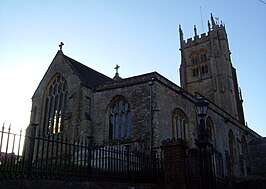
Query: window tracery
column 244, row 160
column 210, row 129
column 120, row 121
column 180, row 123
column 199, row 64
column 55, row 102
column 232, row 145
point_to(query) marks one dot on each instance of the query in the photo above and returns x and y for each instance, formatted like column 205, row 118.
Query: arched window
column 244, row 146
column 55, row 102
column 210, row 129
column 199, row 63
column 180, row 122
column 120, row 121
column 245, row 159
column 232, row 145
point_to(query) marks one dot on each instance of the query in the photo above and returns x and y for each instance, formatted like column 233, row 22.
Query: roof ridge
column 87, row 75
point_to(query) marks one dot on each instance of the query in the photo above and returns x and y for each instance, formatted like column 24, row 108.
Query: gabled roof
column 258, row 141
column 87, row 75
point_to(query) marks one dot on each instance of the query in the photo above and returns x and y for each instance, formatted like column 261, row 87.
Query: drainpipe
column 151, row 82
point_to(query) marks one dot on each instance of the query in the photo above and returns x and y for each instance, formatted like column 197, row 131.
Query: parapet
column 196, row 40
column 202, row 38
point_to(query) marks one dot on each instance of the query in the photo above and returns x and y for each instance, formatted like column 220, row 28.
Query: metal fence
column 204, row 169
column 10, row 151
column 57, row 157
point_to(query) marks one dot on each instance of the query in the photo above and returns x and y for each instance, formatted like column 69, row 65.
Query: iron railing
column 10, row 151
column 204, row 169
column 57, row 157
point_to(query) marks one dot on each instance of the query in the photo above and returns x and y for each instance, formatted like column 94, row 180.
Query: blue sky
column 139, row 35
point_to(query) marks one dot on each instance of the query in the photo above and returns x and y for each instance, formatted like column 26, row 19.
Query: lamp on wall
column 204, row 145
column 202, row 107
column 203, row 134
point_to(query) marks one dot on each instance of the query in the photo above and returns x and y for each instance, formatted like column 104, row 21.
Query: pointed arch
column 244, row 146
column 210, row 129
column 245, row 157
column 232, row 145
column 199, row 63
column 179, row 124
column 120, row 119
column 55, row 99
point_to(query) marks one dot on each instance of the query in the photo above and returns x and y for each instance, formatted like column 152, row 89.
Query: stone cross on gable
column 61, row 46
column 117, row 78
column 116, row 68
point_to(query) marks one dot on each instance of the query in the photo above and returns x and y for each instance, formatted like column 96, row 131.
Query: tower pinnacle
column 213, row 22
column 209, row 26
column 195, row 30
column 181, row 35
column 206, row 68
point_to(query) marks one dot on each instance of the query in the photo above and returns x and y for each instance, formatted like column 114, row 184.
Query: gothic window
column 244, row 146
column 193, row 60
column 196, row 60
column 232, row 145
column 210, row 129
column 199, row 62
column 245, row 160
column 199, row 58
column 87, row 105
column 55, row 102
column 203, row 57
column 180, row 123
column 195, row 72
column 204, row 69
column 120, row 121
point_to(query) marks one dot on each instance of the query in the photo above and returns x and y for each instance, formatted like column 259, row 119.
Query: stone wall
column 217, row 83
column 73, row 108
column 167, row 99
column 136, row 95
column 258, row 154
column 152, row 100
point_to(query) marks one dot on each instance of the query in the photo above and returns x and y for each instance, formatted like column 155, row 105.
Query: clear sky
column 139, row 35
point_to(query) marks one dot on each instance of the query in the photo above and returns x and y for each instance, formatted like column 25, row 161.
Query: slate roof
column 87, row 75
column 258, row 141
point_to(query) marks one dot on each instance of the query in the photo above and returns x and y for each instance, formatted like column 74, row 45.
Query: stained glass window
column 120, row 122
column 55, row 101
column 232, row 145
column 180, row 123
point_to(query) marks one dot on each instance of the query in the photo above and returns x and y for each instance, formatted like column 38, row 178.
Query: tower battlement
column 197, row 39
column 206, row 68
column 193, row 41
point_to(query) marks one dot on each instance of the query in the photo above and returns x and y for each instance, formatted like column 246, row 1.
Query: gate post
column 174, row 163
column 29, row 147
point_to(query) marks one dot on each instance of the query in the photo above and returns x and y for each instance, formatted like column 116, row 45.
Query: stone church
column 76, row 101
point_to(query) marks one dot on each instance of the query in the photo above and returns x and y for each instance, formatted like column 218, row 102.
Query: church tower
column 206, row 68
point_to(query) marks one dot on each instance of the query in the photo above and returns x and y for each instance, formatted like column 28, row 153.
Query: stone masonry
column 153, row 101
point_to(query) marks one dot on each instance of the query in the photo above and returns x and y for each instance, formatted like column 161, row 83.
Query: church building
column 76, row 101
